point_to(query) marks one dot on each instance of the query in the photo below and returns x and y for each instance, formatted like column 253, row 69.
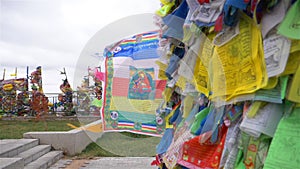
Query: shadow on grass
column 122, row 145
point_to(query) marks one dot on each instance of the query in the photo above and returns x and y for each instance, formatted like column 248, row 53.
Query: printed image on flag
column 132, row 91
column 141, row 83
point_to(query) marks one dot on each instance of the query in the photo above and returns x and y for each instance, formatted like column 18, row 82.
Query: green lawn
column 122, row 144
column 14, row 129
column 109, row 145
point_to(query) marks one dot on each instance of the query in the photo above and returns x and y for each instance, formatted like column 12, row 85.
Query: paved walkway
column 107, row 163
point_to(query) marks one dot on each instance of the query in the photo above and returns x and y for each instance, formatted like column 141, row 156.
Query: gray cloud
column 52, row 33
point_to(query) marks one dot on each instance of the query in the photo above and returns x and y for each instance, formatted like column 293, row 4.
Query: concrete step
column 13, row 147
column 45, row 161
column 34, row 153
column 11, row 163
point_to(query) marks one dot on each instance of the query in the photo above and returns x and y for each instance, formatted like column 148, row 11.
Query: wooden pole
column 16, row 71
column 4, row 74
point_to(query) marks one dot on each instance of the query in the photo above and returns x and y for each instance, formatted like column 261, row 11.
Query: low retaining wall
column 71, row 142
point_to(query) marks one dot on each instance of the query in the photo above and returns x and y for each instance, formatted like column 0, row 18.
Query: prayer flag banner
column 132, row 91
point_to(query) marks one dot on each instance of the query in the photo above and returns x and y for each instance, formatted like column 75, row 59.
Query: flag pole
column 4, row 74
column 65, row 73
column 27, row 77
column 16, row 71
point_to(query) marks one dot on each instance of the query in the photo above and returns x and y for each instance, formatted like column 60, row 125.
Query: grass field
column 109, row 145
column 14, row 129
column 122, row 144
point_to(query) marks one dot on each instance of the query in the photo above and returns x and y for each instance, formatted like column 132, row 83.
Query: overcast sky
column 53, row 33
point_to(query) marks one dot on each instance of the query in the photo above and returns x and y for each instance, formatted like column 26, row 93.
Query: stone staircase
column 26, row 154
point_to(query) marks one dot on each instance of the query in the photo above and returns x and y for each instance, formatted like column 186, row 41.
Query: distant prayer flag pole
column 88, row 76
column 41, row 81
column 3, row 74
column 27, row 72
column 14, row 74
column 65, row 73
column 27, row 77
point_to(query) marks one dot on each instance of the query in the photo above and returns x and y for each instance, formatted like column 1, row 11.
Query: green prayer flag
column 285, row 147
column 290, row 26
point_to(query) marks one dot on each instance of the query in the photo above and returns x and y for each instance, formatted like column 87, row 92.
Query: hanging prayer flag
column 132, row 91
